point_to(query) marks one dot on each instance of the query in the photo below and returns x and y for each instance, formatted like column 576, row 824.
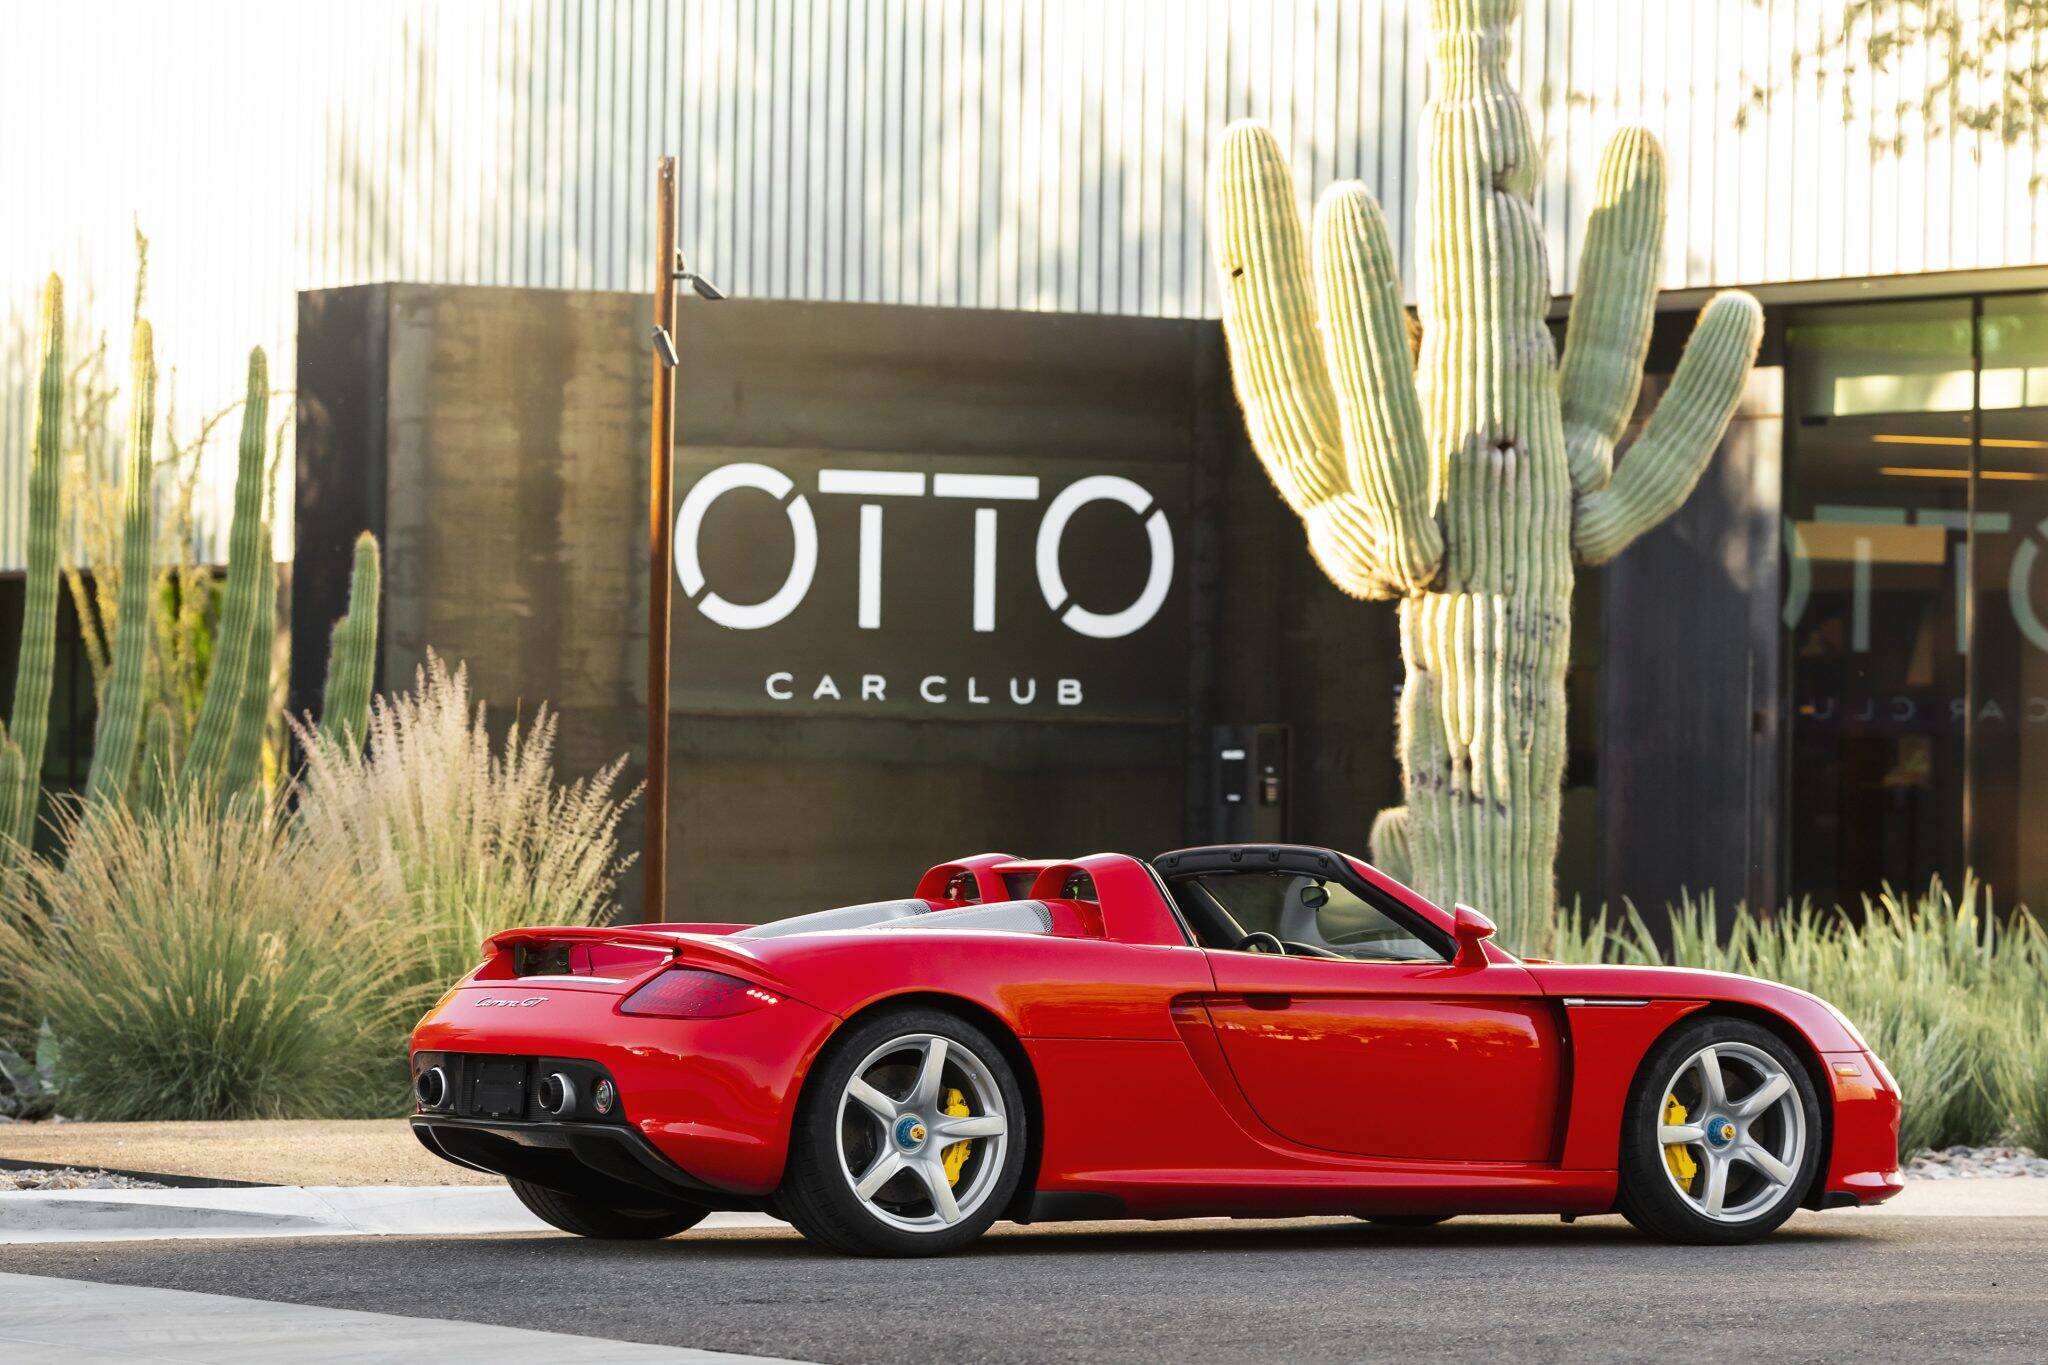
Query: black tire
column 588, row 1218
column 1647, row 1196
column 1407, row 1220
column 817, row 1196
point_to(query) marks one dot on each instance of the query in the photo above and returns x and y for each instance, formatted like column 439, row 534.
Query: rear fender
column 997, row 1028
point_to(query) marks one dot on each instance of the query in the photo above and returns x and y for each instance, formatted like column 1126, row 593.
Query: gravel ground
column 70, row 1178
column 1977, row 1163
column 268, row 1152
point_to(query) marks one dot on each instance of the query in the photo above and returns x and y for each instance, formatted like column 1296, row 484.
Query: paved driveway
column 1846, row 1285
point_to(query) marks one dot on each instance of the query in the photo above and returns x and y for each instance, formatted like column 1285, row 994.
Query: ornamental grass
column 1952, row 995
column 203, row 962
column 472, row 838
column 225, row 959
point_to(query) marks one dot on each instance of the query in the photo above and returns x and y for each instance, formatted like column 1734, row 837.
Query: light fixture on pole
column 669, row 271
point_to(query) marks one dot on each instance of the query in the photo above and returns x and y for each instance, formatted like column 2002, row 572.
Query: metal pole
column 660, row 490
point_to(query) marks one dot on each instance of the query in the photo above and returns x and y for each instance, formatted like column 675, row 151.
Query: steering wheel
column 1295, row 948
column 1262, row 942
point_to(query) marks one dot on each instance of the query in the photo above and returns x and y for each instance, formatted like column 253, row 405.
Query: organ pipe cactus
column 244, row 763
column 352, row 654
column 207, row 760
column 1466, row 482
column 22, row 739
column 225, row 751
column 120, row 723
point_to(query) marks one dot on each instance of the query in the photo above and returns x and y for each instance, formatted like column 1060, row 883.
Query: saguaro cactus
column 120, row 724
column 1467, row 483
column 21, row 748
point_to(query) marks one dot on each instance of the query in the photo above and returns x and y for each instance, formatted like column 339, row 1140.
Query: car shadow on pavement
column 1126, row 1238
column 1603, row 1235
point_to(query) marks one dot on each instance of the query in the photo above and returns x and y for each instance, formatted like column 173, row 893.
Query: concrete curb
column 277, row 1211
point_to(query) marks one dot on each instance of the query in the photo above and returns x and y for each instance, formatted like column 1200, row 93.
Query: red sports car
column 1254, row 1031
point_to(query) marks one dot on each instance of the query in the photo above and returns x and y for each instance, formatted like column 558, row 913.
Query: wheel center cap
column 1720, row 1131
column 910, row 1132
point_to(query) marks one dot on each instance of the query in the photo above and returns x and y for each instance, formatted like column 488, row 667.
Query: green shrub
column 2022, row 1075
column 472, row 841
column 1954, row 998
column 204, row 962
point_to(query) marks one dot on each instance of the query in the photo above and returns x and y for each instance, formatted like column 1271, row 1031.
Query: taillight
column 686, row 993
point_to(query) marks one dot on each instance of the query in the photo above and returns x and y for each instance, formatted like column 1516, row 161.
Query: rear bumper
column 710, row 1097
column 604, row 1160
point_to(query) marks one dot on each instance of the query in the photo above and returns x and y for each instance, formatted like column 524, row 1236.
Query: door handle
column 1268, row 1000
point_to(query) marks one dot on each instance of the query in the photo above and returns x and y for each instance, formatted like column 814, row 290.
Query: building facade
column 1868, row 700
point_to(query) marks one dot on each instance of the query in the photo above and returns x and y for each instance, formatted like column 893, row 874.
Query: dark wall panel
column 339, row 487
column 513, row 510
column 1689, row 710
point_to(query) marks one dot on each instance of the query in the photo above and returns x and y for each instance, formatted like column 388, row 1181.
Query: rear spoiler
column 691, row 944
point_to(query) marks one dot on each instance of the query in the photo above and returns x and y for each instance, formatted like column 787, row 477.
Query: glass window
column 1916, row 507
column 1300, row 909
column 1878, row 467
column 2006, row 723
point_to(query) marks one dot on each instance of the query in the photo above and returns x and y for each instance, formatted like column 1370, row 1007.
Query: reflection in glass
column 2008, row 639
column 1877, row 478
column 1916, row 506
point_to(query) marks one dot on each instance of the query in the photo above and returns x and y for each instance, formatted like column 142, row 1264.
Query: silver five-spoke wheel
column 1733, row 1131
column 922, row 1132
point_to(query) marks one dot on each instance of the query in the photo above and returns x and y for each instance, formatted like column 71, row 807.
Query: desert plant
column 95, row 508
column 27, row 728
column 1467, row 485
column 474, row 840
column 206, row 962
column 210, row 763
column 1950, row 994
column 28, row 1086
column 97, row 522
column 216, row 715
column 2022, row 1072
column 121, row 697
column 352, row 653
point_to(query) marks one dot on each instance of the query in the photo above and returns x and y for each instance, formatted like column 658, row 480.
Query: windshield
column 1301, row 909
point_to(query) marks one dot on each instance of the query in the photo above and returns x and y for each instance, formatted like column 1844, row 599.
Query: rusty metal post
column 660, row 529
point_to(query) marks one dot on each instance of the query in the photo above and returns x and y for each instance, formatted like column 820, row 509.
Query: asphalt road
column 1836, row 1286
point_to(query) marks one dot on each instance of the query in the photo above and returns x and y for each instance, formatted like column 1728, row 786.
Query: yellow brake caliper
column 956, row 1155
column 1683, row 1167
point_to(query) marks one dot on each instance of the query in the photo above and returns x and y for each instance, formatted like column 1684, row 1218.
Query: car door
column 1393, row 1059
column 1415, row 1059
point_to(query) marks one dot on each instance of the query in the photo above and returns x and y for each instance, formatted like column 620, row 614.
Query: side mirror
column 1471, row 930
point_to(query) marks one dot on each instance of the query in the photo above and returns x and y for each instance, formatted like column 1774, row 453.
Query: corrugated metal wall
column 1037, row 154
